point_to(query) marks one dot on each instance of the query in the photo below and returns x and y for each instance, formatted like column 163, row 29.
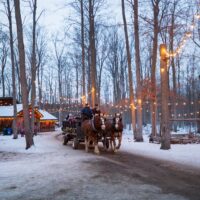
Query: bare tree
column 28, row 134
column 33, row 65
column 165, row 130
column 14, row 125
column 116, row 64
column 138, row 133
column 102, row 54
column 60, row 66
column 131, row 93
column 42, row 59
column 83, row 51
column 92, row 49
column 155, row 4
column 3, row 58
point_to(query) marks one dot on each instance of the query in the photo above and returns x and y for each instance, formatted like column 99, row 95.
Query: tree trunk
column 83, row 54
column 33, row 66
column 40, row 83
column 88, row 77
column 60, row 91
column 14, row 125
column 99, row 83
column 92, row 53
column 3, row 80
column 131, row 93
column 153, row 69
column 19, row 94
column 174, row 110
column 28, row 135
column 4, row 52
column 39, row 89
column 77, row 75
column 138, row 133
column 165, row 131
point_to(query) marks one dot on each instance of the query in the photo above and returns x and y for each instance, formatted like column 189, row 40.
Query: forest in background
column 93, row 59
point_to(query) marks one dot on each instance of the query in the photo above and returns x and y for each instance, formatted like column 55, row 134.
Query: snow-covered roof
column 46, row 115
column 7, row 111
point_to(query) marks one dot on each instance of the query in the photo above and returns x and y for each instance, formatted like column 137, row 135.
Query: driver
column 86, row 112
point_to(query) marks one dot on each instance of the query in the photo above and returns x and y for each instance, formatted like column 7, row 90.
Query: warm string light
column 84, row 97
column 186, row 36
column 136, row 102
column 125, row 108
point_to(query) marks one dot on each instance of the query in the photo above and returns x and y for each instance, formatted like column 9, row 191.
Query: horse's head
column 103, row 126
column 99, row 121
column 117, row 121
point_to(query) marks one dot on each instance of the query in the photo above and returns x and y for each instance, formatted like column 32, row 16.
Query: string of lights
column 186, row 37
column 123, row 109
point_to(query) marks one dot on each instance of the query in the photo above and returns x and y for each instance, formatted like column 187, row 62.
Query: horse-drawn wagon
column 93, row 131
column 72, row 132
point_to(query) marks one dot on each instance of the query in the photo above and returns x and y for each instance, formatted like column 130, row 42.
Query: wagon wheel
column 75, row 143
column 66, row 139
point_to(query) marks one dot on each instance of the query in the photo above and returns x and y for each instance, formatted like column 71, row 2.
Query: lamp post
column 165, row 131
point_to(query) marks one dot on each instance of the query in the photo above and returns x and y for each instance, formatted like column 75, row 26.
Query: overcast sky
column 55, row 11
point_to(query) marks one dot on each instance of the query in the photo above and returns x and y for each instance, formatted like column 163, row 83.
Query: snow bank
column 8, row 144
column 183, row 154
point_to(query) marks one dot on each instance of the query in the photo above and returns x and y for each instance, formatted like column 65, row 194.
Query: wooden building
column 47, row 122
column 44, row 121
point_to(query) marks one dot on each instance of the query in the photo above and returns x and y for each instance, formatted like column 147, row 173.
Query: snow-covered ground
column 183, row 154
column 52, row 171
column 187, row 154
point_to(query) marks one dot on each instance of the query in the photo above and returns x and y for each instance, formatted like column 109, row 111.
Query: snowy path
column 53, row 171
column 187, row 155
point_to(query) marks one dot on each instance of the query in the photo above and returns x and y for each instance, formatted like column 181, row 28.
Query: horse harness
column 93, row 124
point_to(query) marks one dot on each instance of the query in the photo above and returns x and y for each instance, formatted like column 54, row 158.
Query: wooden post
column 165, row 131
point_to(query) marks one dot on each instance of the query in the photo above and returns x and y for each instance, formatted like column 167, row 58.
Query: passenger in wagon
column 96, row 110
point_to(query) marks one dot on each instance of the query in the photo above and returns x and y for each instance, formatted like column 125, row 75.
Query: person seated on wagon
column 67, row 117
column 96, row 110
column 70, row 119
column 86, row 112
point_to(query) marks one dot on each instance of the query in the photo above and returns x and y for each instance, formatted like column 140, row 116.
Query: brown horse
column 114, row 131
column 91, row 129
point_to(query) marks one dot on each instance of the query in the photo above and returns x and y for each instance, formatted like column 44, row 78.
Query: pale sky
column 57, row 10
column 54, row 13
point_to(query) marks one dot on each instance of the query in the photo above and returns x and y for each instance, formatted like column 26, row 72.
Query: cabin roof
column 7, row 112
column 46, row 115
